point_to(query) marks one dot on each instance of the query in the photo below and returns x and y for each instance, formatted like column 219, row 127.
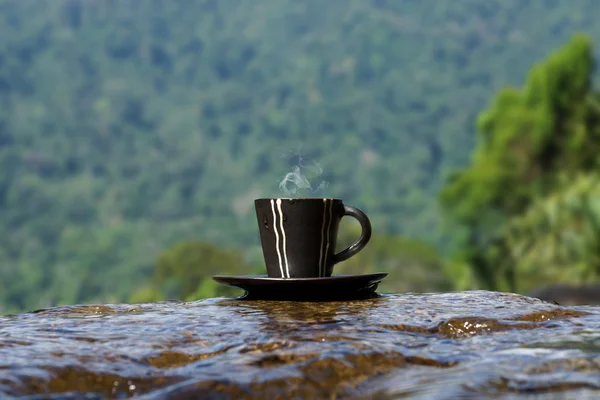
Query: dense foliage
column 528, row 200
column 129, row 126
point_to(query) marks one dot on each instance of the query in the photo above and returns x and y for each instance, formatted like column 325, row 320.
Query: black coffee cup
column 299, row 235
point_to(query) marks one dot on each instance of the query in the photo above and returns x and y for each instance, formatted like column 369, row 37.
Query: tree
column 524, row 139
column 558, row 238
column 185, row 272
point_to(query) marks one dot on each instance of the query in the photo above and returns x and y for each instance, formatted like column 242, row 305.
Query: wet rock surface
column 455, row 345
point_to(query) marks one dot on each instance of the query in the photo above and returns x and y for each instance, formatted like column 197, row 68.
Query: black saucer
column 336, row 287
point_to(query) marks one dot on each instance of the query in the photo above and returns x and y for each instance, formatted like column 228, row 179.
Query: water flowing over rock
column 443, row 346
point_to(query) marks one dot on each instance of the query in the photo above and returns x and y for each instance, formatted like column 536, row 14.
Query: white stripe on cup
column 287, row 267
column 328, row 235
column 321, row 269
column 276, row 238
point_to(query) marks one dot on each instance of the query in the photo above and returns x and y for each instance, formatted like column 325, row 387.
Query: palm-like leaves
column 558, row 237
column 526, row 223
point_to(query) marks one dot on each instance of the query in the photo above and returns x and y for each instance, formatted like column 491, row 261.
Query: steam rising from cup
column 297, row 181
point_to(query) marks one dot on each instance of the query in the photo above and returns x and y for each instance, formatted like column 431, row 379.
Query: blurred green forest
column 134, row 136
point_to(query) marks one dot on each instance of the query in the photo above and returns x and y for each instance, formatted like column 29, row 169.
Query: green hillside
column 129, row 126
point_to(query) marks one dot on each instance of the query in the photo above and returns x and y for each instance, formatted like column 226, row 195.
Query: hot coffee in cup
column 298, row 236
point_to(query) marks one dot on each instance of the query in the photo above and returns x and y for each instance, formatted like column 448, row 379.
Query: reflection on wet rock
column 443, row 346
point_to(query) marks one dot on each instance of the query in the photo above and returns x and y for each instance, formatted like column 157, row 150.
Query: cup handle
column 362, row 241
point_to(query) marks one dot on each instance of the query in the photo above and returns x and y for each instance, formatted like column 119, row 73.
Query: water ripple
column 448, row 345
